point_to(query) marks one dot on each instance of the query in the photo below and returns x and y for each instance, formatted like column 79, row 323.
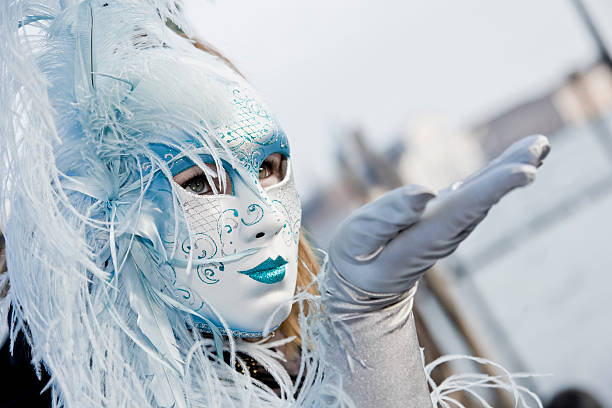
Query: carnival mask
column 236, row 248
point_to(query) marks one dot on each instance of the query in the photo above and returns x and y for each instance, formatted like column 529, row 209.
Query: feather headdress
column 91, row 89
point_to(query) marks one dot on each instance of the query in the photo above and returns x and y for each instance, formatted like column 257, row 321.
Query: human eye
column 272, row 170
column 195, row 181
column 198, row 185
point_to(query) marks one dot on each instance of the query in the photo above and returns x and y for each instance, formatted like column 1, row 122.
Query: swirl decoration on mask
column 189, row 298
column 288, row 228
column 284, row 143
column 168, row 157
column 208, row 273
column 226, row 227
column 204, row 246
column 295, row 229
column 251, row 161
column 286, row 203
column 255, row 212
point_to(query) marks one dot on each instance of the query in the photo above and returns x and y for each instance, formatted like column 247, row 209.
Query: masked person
column 153, row 227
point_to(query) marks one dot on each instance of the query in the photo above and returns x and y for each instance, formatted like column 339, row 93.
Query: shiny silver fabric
column 377, row 353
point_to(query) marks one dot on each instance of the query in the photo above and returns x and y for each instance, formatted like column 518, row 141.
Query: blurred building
column 584, row 95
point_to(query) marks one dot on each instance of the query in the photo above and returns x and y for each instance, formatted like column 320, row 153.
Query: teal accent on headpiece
column 175, row 159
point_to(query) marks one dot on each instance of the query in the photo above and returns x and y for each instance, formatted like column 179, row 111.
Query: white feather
column 154, row 324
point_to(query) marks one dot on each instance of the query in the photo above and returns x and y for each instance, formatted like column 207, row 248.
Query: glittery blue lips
column 269, row 271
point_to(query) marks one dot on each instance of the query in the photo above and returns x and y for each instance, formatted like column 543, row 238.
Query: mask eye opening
column 206, row 181
column 273, row 170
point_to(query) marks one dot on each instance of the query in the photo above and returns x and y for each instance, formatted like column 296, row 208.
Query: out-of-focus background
column 378, row 94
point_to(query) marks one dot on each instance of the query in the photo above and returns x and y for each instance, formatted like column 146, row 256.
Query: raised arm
column 380, row 252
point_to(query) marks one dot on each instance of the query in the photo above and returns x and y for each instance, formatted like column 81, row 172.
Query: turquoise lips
column 269, row 271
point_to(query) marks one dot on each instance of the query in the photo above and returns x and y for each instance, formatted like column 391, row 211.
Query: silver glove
column 381, row 251
column 388, row 244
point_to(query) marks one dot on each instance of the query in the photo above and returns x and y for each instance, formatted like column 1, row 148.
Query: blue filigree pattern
column 287, row 231
column 287, row 203
column 255, row 214
column 226, row 226
column 209, row 274
column 254, row 134
column 189, row 298
column 204, row 246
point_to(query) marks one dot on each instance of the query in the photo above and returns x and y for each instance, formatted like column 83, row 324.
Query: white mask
column 242, row 245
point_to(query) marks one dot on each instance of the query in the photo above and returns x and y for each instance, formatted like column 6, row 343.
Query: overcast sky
column 323, row 65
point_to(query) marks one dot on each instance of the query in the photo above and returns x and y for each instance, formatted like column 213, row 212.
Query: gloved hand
column 388, row 244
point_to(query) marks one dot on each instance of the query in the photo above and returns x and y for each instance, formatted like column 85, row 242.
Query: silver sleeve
column 377, row 352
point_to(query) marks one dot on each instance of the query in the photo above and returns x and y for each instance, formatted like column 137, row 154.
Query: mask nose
column 270, row 224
